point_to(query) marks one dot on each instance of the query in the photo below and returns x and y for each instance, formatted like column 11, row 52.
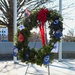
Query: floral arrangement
column 37, row 18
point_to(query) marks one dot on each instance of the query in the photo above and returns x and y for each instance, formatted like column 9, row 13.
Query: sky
column 69, row 16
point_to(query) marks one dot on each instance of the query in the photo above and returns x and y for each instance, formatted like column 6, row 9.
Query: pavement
column 64, row 67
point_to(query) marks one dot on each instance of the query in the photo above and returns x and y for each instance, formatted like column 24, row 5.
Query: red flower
column 20, row 37
column 42, row 14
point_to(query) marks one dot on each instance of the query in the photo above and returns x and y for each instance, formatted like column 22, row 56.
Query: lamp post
column 60, row 43
column 15, row 23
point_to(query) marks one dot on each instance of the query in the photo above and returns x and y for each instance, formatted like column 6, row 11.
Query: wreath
column 37, row 18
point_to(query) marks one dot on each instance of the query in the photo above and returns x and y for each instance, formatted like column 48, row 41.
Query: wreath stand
column 28, row 63
column 37, row 74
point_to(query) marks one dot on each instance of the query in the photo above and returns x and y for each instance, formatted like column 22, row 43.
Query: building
column 3, row 33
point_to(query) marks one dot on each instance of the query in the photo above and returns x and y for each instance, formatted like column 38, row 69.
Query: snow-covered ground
column 65, row 67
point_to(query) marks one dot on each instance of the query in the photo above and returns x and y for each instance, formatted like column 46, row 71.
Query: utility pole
column 60, row 43
column 15, row 23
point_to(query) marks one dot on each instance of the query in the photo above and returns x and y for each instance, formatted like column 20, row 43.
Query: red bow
column 42, row 16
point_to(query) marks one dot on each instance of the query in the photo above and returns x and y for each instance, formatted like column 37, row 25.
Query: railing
column 68, row 48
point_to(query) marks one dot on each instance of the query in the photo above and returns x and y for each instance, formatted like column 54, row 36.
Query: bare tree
column 69, row 37
column 34, row 37
column 6, row 7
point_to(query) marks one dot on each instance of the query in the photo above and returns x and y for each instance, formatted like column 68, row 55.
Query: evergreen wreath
column 32, row 55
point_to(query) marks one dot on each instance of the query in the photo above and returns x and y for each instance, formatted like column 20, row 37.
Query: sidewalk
column 66, row 67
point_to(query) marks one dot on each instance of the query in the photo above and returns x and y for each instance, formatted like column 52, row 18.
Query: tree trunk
column 10, row 34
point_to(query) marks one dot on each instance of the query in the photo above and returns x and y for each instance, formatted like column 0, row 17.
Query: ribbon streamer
column 42, row 33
